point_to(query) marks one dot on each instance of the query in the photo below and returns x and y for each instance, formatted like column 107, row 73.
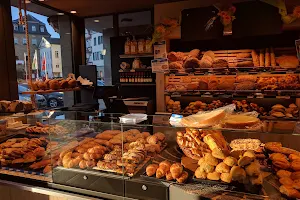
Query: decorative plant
column 226, row 18
column 289, row 18
column 163, row 29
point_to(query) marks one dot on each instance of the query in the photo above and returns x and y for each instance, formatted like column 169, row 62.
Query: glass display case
column 94, row 154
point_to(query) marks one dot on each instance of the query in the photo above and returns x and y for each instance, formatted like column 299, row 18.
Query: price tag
column 260, row 96
column 250, row 97
column 132, row 70
column 175, row 95
column 160, row 65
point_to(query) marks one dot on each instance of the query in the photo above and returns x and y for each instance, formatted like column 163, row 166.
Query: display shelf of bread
column 47, row 129
column 105, row 153
column 54, row 85
column 15, row 106
column 167, row 171
column 286, row 165
column 233, row 83
column 244, row 59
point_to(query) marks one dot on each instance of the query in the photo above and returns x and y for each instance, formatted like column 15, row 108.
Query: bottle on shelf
column 133, row 46
column 148, row 46
column 121, row 77
column 127, row 46
column 141, row 46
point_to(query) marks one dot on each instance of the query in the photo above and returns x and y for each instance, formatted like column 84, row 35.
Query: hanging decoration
column 285, row 17
column 163, row 29
column 226, row 17
column 21, row 19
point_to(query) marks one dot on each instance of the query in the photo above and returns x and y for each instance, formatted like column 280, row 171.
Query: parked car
column 55, row 99
column 40, row 100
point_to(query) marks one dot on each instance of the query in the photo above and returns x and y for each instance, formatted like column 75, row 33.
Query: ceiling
column 86, row 8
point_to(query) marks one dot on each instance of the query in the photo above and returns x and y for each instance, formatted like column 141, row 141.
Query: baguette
column 261, row 58
column 272, row 55
column 255, row 58
column 267, row 58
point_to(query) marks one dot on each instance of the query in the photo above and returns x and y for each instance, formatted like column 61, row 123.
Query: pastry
column 226, row 84
column 213, row 84
column 247, row 85
column 293, row 157
column 206, row 62
column 183, row 177
column 222, row 168
column 295, row 165
column 172, row 56
column 169, row 176
column 253, row 169
column 230, row 161
column 244, row 160
column 282, row 164
column 278, row 114
column 176, row 170
column 214, row 176
column 255, row 58
column 165, row 165
column 240, row 121
column 226, row 177
column 200, row 174
column 261, row 58
column 151, row 169
column 244, row 78
column 245, row 144
column 286, row 181
column 238, row 174
column 295, row 175
column 176, row 65
column 195, row 53
column 54, row 84
column 209, row 159
column 203, row 85
column 289, row 191
column 245, row 64
column 283, row 173
column 201, row 161
column 220, row 154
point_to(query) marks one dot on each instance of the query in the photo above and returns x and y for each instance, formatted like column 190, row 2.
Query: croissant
column 151, row 169
column 161, row 172
column 169, row 176
column 176, row 170
column 165, row 165
column 183, row 177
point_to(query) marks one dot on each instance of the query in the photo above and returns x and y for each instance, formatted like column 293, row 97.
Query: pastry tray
column 140, row 166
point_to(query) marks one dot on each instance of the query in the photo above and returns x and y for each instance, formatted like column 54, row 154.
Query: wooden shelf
column 51, row 91
column 137, row 56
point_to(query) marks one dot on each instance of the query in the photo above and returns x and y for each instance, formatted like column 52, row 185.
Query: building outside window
column 101, row 57
column 24, row 27
column 16, row 27
column 95, row 41
column 56, row 54
column 42, row 29
column 33, row 28
column 24, row 41
column 34, row 42
column 16, row 41
column 57, row 66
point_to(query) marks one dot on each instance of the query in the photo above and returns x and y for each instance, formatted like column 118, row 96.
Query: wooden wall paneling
column 8, row 75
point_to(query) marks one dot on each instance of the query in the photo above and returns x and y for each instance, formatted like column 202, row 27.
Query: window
column 34, row 42
column 16, row 27
column 95, row 41
column 33, row 28
column 100, row 40
column 16, row 40
column 24, row 41
column 56, row 54
column 101, row 57
column 57, row 66
column 42, row 29
column 93, row 56
column 24, row 27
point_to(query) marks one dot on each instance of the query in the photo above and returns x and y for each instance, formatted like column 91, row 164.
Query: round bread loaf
column 240, row 121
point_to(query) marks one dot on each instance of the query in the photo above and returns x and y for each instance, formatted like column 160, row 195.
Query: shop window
column 34, row 42
column 24, row 41
column 16, row 41
column 33, row 28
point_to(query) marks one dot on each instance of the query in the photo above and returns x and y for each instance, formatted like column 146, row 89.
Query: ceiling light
column 60, row 13
column 96, row 20
column 73, row 11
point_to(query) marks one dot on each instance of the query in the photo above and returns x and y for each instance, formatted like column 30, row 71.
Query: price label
column 175, row 95
column 160, row 65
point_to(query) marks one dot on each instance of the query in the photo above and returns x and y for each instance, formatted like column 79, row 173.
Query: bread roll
column 286, row 181
column 295, row 165
column 205, row 167
column 169, row 176
column 253, row 169
column 165, row 165
column 289, row 191
column 214, row 176
column 222, row 168
column 256, row 180
column 209, row 159
column 226, row 177
column 230, row 161
column 238, row 174
column 283, row 173
column 183, row 177
column 161, row 172
column 200, row 174
column 201, row 161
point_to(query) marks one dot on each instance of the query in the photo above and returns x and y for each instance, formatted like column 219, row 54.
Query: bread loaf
column 261, row 58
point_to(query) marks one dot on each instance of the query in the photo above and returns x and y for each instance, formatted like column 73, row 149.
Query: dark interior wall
column 8, row 75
